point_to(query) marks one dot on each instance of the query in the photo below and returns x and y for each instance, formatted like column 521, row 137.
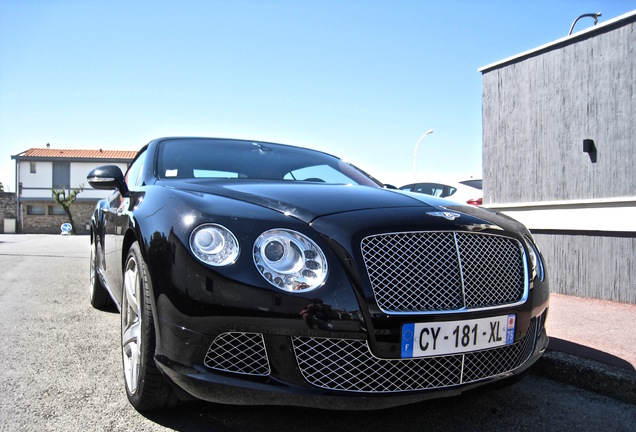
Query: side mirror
column 107, row 177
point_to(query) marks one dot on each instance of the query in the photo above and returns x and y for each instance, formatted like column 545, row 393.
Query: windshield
column 235, row 159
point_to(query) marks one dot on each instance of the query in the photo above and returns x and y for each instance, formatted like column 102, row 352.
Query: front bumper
column 245, row 365
column 226, row 338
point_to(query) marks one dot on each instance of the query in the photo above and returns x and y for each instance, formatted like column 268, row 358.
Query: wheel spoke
column 131, row 333
column 131, row 323
column 92, row 268
column 131, row 289
column 132, row 362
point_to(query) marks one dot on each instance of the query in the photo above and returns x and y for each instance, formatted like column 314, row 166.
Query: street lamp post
column 428, row 132
column 590, row 15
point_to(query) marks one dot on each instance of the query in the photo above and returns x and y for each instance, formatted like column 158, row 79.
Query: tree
column 59, row 195
column 1, row 187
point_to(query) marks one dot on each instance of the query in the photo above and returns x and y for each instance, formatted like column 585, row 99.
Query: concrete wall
column 538, row 107
column 590, row 265
column 537, row 112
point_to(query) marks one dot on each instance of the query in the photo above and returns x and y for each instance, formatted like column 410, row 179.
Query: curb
column 588, row 374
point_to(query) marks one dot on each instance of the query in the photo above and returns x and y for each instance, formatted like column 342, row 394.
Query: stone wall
column 51, row 223
column 7, row 208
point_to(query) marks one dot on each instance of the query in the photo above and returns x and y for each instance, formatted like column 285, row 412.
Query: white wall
column 612, row 214
column 42, row 178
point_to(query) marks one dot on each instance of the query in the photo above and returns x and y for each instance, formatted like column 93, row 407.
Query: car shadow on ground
column 204, row 416
column 435, row 414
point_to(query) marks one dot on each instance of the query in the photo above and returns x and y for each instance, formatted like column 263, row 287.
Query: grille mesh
column 236, row 352
column 443, row 271
column 348, row 365
column 483, row 364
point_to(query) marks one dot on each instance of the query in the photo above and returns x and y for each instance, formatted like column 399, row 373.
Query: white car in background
column 467, row 191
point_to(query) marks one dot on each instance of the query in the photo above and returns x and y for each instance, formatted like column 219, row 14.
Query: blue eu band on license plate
column 455, row 337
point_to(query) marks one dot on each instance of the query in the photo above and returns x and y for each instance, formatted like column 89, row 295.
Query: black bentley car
column 250, row 272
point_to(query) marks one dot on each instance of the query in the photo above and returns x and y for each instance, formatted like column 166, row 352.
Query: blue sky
column 359, row 79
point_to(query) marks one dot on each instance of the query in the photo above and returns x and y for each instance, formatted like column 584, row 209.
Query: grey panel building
column 559, row 154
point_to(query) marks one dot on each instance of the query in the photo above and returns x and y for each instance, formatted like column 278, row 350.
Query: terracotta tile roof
column 78, row 154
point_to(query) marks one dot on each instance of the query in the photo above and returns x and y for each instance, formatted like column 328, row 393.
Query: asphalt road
column 60, row 370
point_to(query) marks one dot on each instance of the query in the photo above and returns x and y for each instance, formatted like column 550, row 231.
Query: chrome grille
column 348, row 365
column 236, row 352
column 484, row 364
column 443, row 271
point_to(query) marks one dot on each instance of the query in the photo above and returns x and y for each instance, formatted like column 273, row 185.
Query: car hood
column 310, row 201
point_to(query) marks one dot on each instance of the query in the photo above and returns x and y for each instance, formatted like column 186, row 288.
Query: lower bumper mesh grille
column 348, row 365
column 242, row 353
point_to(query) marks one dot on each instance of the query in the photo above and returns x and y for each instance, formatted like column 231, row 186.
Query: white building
column 39, row 170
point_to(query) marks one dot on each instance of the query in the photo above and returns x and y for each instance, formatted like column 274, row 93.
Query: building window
column 56, row 210
column 32, row 165
column 36, row 210
column 61, row 175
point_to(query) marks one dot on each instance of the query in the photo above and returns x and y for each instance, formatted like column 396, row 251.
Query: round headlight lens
column 289, row 260
column 214, row 245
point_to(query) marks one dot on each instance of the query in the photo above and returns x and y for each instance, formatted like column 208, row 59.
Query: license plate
column 454, row 337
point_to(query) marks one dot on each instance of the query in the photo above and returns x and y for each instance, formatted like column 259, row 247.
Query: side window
column 426, row 188
column 436, row 189
column 448, row 191
column 134, row 173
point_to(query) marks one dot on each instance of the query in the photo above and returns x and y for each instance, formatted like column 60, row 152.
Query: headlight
column 214, row 245
column 289, row 260
column 535, row 258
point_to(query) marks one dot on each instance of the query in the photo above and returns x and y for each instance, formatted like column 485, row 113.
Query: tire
column 146, row 387
column 98, row 294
